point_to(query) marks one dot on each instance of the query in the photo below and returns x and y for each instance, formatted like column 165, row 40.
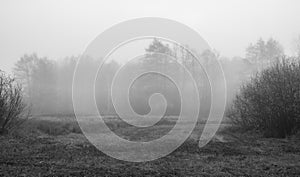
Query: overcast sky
column 61, row 28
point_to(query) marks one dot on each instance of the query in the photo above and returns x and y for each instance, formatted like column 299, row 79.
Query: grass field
column 55, row 146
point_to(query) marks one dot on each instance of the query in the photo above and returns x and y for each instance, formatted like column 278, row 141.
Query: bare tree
column 12, row 107
column 264, row 53
column 38, row 76
column 23, row 71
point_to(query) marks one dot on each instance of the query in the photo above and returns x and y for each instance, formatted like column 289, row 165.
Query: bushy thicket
column 270, row 101
column 12, row 106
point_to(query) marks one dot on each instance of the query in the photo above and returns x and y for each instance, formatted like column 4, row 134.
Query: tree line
column 47, row 83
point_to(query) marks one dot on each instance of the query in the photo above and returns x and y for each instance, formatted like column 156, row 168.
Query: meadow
column 55, row 146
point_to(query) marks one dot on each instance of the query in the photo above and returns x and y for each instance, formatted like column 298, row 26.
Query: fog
column 149, row 88
column 42, row 42
column 57, row 29
column 48, row 83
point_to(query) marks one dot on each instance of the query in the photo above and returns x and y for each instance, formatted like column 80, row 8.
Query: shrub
column 12, row 107
column 270, row 102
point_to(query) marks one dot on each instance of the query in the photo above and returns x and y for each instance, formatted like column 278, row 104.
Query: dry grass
column 39, row 153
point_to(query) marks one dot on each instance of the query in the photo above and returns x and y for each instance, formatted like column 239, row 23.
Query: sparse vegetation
column 270, row 101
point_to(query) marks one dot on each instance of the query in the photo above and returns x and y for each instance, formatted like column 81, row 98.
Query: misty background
column 58, row 29
column 41, row 43
column 47, row 84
